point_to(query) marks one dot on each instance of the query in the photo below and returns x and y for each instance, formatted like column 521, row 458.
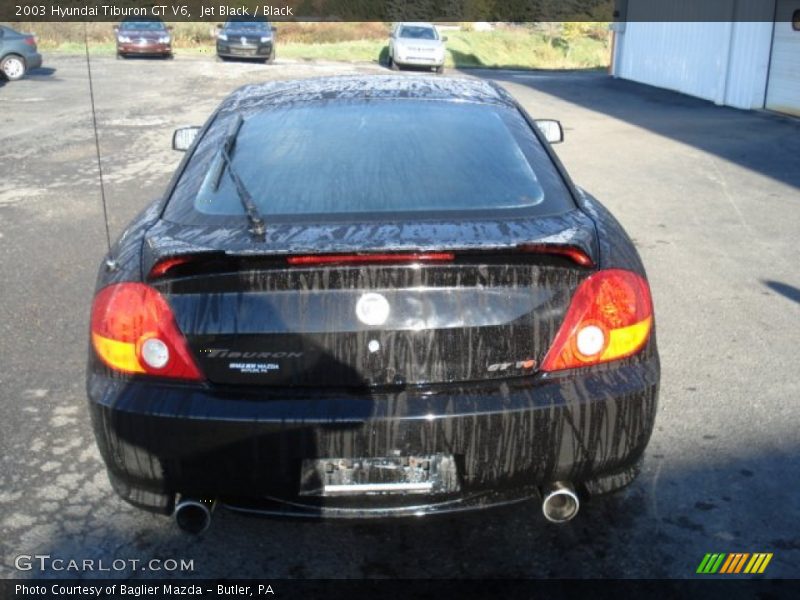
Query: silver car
column 416, row 44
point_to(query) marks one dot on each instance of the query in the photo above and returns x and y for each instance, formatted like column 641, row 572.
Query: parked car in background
column 18, row 53
column 246, row 38
column 143, row 37
column 416, row 44
column 371, row 297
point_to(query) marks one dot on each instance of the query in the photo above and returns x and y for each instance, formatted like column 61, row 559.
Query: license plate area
column 396, row 475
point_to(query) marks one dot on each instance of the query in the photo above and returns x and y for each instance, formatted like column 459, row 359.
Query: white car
column 416, row 44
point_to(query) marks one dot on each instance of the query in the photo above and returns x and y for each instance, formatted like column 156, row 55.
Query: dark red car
column 149, row 37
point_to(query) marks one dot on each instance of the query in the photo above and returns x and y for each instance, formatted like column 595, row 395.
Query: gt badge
column 520, row 364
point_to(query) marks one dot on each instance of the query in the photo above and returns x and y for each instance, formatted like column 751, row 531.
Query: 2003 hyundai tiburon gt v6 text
column 366, row 297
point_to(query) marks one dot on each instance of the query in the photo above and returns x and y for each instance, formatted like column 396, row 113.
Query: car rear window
column 370, row 158
column 143, row 25
column 255, row 25
column 418, row 33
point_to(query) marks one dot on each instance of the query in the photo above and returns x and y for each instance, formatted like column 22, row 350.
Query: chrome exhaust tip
column 559, row 502
column 193, row 515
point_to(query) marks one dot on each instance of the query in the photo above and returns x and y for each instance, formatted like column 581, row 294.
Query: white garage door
column 783, row 88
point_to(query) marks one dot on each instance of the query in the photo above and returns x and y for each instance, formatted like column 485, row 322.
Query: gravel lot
column 710, row 195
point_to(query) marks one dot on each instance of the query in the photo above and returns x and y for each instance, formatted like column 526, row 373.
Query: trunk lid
column 252, row 319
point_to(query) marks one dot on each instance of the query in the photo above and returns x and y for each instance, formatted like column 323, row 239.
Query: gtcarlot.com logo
column 45, row 562
column 734, row 563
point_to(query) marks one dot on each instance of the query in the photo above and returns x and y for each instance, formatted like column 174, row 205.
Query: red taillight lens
column 345, row 259
column 160, row 268
column 31, row 41
column 576, row 255
column 609, row 318
column 134, row 331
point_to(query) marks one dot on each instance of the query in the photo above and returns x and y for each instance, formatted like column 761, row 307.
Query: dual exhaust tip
column 193, row 515
column 559, row 504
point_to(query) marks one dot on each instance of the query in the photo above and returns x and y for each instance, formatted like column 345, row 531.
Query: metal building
column 741, row 53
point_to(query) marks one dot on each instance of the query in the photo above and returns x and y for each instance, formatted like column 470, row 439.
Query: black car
column 367, row 297
column 246, row 38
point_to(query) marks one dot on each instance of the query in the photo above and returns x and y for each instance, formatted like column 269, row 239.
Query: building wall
column 783, row 89
column 726, row 62
column 749, row 64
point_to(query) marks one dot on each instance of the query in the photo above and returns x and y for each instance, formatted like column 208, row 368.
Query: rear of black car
column 435, row 319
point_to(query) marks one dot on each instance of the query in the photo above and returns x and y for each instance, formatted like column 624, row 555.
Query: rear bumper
column 419, row 61
column 246, row 446
column 33, row 61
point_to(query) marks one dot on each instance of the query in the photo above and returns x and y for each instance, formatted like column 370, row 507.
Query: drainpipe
column 725, row 72
column 617, row 27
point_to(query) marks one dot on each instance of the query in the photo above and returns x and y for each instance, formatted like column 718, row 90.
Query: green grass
column 360, row 50
column 502, row 48
column 522, row 49
column 78, row 48
column 495, row 49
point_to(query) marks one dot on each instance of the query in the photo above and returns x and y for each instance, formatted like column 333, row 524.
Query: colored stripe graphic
column 704, row 564
column 734, row 563
column 764, row 564
column 726, row 566
column 710, row 563
column 741, row 562
column 754, row 564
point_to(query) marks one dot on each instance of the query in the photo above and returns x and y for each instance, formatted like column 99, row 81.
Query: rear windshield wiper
column 256, row 221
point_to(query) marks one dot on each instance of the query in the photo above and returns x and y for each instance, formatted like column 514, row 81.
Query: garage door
column 783, row 88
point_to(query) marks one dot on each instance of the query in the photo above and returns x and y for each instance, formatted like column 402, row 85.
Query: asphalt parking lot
column 709, row 194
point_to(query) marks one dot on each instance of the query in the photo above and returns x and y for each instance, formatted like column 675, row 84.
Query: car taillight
column 576, row 255
column 352, row 259
column 134, row 331
column 163, row 266
column 31, row 41
column 610, row 317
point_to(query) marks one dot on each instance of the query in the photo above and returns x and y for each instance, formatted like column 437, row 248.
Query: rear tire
column 439, row 70
column 13, row 67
